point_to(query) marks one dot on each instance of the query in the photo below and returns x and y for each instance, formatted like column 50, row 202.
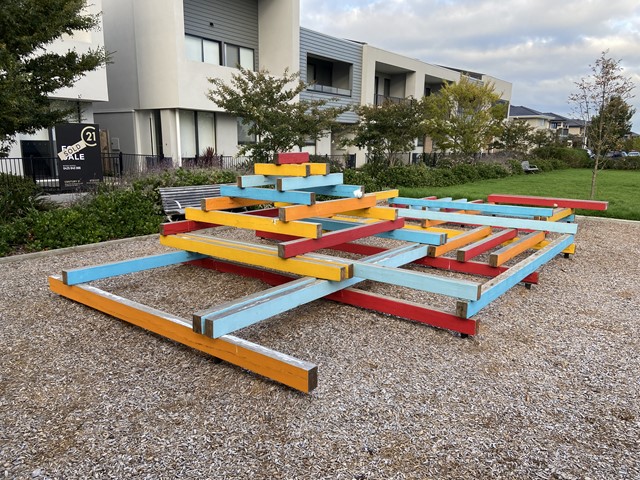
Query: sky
column 541, row 46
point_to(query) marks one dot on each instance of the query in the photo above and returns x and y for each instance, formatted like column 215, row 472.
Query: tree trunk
column 593, row 179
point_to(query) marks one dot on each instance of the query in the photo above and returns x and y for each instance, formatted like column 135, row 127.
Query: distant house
column 561, row 127
column 538, row 120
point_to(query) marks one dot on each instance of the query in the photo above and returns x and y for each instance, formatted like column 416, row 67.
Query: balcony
column 381, row 99
column 328, row 89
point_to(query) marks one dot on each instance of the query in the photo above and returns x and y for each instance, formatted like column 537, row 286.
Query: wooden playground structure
column 514, row 235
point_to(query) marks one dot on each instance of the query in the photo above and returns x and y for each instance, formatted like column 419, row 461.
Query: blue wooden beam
column 506, row 222
column 97, row 272
column 246, row 311
column 295, row 183
column 268, row 194
column 346, row 191
column 503, row 282
column 245, row 181
column 404, row 234
column 479, row 207
column 418, row 281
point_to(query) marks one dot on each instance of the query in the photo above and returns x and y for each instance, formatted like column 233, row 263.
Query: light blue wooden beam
column 245, row 181
column 506, row 222
column 479, row 207
column 416, row 236
column 503, row 282
column 294, row 183
column 246, row 311
column 97, row 272
column 268, row 194
column 346, row 191
column 418, row 281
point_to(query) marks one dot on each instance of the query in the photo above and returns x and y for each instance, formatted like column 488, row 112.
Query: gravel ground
column 549, row 389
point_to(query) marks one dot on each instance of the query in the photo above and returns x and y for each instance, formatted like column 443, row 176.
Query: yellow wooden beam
column 227, row 203
column 515, row 248
column 325, row 209
column 558, row 214
column 277, row 366
column 265, row 256
column 291, row 170
column 571, row 249
column 386, row 194
column 380, row 213
column 255, row 222
column 459, row 241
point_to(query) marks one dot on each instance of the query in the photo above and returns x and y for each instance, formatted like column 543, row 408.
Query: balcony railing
column 381, row 99
column 331, row 90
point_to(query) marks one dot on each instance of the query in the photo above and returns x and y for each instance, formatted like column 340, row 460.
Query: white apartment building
column 82, row 96
column 165, row 50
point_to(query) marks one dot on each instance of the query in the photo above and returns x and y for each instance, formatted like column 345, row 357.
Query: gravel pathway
column 550, row 389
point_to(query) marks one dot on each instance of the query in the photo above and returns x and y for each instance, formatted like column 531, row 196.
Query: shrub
column 20, row 195
column 106, row 215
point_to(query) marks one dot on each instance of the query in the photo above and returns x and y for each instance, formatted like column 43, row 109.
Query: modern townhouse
column 83, row 97
column 165, row 50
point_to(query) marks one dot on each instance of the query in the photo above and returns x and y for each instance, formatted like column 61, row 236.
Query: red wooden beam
column 468, row 252
column 359, row 298
column 301, row 246
column 292, row 157
column 184, row 226
column 442, row 263
column 548, row 201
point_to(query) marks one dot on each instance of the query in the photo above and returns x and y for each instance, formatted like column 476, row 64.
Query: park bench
column 176, row 199
column 528, row 168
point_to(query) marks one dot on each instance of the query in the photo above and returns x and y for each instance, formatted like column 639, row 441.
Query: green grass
column 621, row 188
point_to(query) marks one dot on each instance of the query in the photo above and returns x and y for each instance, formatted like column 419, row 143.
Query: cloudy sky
column 541, row 46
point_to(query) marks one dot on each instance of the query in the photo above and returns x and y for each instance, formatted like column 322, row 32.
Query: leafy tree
column 269, row 108
column 29, row 72
column 541, row 138
column 515, row 136
column 617, row 114
column 464, row 117
column 388, row 130
column 600, row 101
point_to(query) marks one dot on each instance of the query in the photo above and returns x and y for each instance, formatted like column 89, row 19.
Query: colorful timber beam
column 548, row 201
column 299, row 274
column 277, row 366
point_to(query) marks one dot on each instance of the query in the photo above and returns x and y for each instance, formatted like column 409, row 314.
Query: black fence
column 121, row 168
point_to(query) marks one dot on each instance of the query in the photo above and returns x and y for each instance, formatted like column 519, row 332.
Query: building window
column 202, row 50
column 244, row 137
column 238, row 56
column 197, row 132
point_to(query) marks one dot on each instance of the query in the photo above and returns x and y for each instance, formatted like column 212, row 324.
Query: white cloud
column 541, row 47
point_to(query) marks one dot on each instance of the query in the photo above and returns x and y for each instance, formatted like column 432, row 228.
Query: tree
column 388, row 130
column 600, row 101
column 267, row 106
column 464, row 117
column 29, row 72
column 515, row 136
column 617, row 115
column 541, row 138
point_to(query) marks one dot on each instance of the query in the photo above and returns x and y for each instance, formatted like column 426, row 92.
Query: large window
column 197, row 132
column 238, row 56
column 202, row 50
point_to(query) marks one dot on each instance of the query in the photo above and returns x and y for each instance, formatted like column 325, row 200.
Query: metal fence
column 120, row 168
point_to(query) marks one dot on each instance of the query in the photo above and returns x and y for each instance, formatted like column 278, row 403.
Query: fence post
column 33, row 170
column 120, row 163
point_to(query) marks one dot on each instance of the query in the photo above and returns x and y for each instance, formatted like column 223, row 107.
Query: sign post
column 79, row 160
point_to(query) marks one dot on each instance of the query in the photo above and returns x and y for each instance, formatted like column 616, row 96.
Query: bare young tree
column 597, row 100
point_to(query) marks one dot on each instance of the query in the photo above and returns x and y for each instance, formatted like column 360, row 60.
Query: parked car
column 633, row 153
column 616, row 154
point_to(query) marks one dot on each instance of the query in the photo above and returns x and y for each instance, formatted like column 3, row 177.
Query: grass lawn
column 621, row 188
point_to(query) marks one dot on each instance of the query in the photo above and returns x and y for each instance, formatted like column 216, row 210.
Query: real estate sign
column 79, row 160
